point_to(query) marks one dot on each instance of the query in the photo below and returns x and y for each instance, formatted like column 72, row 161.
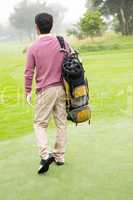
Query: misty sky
column 75, row 9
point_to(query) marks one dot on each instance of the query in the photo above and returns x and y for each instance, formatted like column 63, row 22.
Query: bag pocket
column 80, row 115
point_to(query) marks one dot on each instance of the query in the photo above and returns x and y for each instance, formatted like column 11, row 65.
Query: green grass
column 16, row 116
column 99, row 157
column 106, row 43
column 110, row 77
column 99, row 165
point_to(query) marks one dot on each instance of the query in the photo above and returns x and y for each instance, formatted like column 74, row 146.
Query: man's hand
column 29, row 98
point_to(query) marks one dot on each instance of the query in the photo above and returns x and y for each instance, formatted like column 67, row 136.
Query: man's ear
column 37, row 30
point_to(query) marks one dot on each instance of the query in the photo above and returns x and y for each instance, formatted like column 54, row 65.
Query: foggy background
column 17, row 16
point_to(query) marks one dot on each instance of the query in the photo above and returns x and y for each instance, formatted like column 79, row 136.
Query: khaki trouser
column 51, row 101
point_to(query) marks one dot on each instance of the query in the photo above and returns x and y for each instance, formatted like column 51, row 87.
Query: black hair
column 44, row 21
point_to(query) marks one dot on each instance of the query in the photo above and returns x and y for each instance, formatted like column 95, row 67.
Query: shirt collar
column 43, row 35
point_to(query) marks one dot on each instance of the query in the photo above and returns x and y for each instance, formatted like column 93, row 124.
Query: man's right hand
column 29, row 98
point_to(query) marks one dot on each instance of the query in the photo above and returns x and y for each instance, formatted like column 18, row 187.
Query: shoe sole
column 59, row 163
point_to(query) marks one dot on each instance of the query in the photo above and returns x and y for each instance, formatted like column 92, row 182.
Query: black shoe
column 59, row 163
column 52, row 159
column 44, row 165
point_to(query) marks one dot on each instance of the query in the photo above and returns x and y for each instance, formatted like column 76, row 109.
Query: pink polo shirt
column 45, row 59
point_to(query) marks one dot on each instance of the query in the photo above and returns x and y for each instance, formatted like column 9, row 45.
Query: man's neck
column 43, row 35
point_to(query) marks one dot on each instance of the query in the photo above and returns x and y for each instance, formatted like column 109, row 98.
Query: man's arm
column 29, row 72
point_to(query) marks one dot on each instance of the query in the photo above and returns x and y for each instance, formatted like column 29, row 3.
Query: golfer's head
column 44, row 23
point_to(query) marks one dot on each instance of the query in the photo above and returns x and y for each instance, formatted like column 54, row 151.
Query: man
column 45, row 59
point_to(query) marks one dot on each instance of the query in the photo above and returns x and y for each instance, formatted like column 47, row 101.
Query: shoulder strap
column 61, row 41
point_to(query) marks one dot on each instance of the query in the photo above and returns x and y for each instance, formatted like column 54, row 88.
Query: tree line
column 93, row 23
column 95, row 20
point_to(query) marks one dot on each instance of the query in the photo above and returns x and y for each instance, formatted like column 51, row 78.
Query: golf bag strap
column 61, row 42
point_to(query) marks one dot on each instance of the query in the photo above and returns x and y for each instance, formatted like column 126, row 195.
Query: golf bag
column 76, row 86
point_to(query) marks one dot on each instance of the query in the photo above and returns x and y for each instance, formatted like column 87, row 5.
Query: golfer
column 45, row 60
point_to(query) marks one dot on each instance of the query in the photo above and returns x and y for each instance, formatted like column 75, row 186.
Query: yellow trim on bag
column 83, row 115
column 80, row 91
column 67, row 87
